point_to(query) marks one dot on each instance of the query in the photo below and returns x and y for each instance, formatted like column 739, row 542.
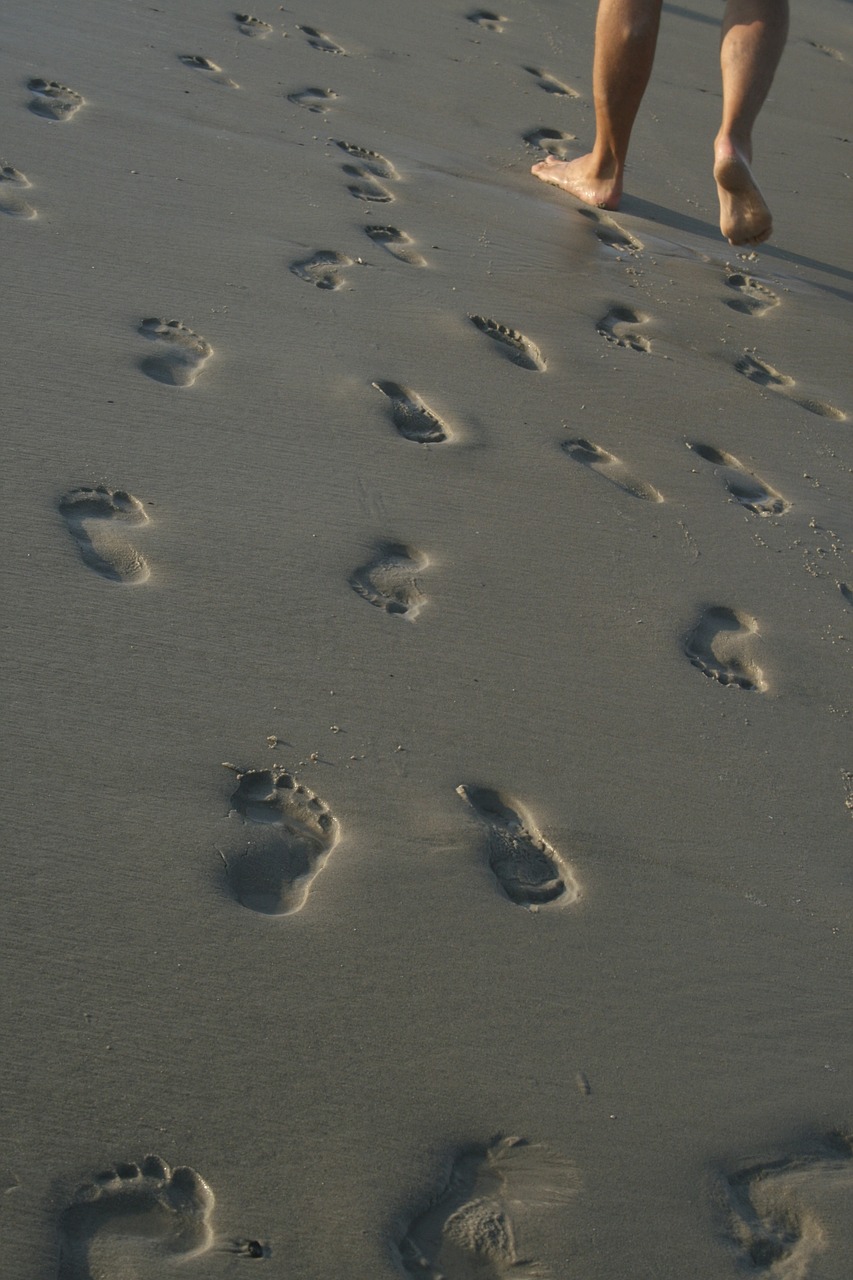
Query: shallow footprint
column 528, row 870
column 485, row 18
column 367, row 188
column 318, row 40
column 252, row 26
column 764, row 375
column 515, row 346
column 412, row 418
column 53, row 101
column 551, row 84
column 746, row 488
column 719, row 646
column 610, row 467
column 774, row 1209
column 134, row 1213
column 390, row 581
column 468, row 1232
column 369, row 161
column 94, row 517
column 611, row 234
column 12, row 183
column 183, row 354
column 754, row 298
column 296, row 833
column 199, row 63
column 618, row 327
column 552, row 141
column 315, row 100
column 322, row 269
column 397, row 243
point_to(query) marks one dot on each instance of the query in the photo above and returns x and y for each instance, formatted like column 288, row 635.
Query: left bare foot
column 744, row 215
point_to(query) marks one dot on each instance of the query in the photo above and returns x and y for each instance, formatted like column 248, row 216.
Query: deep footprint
column 550, row 83
column 318, row 40
column 199, row 63
column 53, row 101
column 390, row 580
column 250, row 26
column 146, row 1213
column 528, row 870
column 398, row 244
column 322, row 269
column 469, row 1230
column 745, row 488
column 753, row 297
column 618, row 327
column 610, row 467
column 719, row 646
column 369, row 161
column 293, row 835
column 515, row 346
column 773, row 1210
column 485, row 18
column 183, row 353
column 412, row 418
column 12, row 183
column 554, row 142
column 96, row 519
column 367, row 187
column 316, row 100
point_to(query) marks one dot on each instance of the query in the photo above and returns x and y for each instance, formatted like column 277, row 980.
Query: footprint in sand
column 318, row 40
column 215, row 73
column 515, row 346
column 618, row 327
column 778, row 1213
column 550, row 83
column 96, row 519
column 390, row 579
column 827, row 51
column 611, row 234
column 367, row 187
column 322, row 269
column 754, row 298
column 610, row 467
column 315, row 100
column 485, row 18
column 554, row 142
column 134, row 1216
column 250, row 26
column 293, row 835
column 398, row 244
column 182, row 353
column 764, row 375
column 468, row 1232
column 53, row 101
column 746, row 488
column 720, row 646
column 369, row 161
column 412, row 418
column 12, row 183
column 528, row 870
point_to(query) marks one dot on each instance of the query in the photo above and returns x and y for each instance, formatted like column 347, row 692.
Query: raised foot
column 744, row 215
column 580, row 180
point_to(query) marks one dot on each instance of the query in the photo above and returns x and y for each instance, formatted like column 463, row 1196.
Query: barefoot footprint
column 293, row 835
column 719, row 646
column 367, row 187
column 311, row 99
column 397, row 243
column 485, row 18
column 369, row 161
column 610, row 467
column 528, row 870
column 322, row 269
column 318, row 40
column 611, row 234
column 53, row 101
column 182, row 356
column 754, row 298
column 468, row 1231
column 390, row 580
column 199, row 63
column 554, row 142
column 95, row 519
column 764, row 375
column 12, row 183
column 515, row 346
column 618, row 328
column 746, row 488
column 412, row 418
column 250, row 26
column 550, row 84
column 134, row 1214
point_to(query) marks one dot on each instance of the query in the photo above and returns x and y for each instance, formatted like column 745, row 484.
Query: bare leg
column 754, row 35
column 626, row 33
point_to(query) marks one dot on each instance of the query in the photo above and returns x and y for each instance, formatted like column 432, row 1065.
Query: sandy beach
column 428, row 638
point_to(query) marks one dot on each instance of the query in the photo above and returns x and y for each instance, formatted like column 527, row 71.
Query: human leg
column 626, row 33
column 753, row 37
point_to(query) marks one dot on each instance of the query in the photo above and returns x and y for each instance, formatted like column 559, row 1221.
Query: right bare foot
column 744, row 215
column 581, row 179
